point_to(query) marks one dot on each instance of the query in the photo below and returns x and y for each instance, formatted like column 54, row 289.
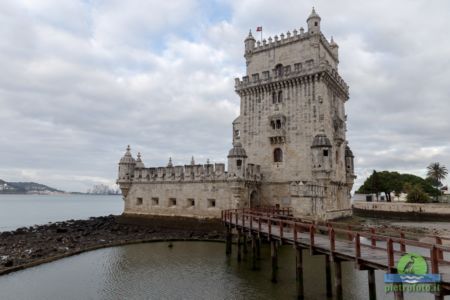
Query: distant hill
column 26, row 188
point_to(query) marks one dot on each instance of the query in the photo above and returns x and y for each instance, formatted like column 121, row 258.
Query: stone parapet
column 289, row 38
column 190, row 173
column 301, row 72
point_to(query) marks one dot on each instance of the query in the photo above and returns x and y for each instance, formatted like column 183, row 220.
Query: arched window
column 272, row 124
column 279, row 70
column 280, row 96
column 278, row 124
column 277, row 155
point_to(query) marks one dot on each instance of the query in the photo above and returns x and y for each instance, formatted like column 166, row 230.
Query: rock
column 61, row 230
column 8, row 263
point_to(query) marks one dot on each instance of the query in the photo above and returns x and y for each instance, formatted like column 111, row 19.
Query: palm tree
column 436, row 172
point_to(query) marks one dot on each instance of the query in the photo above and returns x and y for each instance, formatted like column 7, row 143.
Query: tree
column 387, row 182
column 416, row 193
column 436, row 173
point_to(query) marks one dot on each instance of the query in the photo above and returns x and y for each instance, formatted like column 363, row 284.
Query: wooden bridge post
column 239, row 245
column 254, row 246
column 244, row 244
column 398, row 292
column 258, row 247
column 372, row 287
column 299, row 273
column 228, row 241
column 338, row 279
column 328, row 276
column 274, row 255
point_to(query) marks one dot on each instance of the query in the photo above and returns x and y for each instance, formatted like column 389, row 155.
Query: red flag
column 259, row 28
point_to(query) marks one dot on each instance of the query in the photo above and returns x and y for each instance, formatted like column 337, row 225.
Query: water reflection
column 189, row 270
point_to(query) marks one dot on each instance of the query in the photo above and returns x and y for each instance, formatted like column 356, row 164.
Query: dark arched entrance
column 254, row 199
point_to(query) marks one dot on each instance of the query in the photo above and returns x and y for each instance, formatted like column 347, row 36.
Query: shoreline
column 31, row 246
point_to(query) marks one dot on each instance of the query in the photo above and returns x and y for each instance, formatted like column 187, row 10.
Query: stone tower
column 292, row 121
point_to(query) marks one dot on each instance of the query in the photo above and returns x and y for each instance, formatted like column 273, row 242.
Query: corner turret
column 334, row 47
column 321, row 156
column 249, row 46
column 237, row 160
column 313, row 22
column 126, row 171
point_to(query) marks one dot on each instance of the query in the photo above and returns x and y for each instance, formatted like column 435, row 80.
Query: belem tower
column 289, row 141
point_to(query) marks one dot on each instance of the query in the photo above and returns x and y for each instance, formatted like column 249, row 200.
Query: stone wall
column 401, row 210
column 190, row 199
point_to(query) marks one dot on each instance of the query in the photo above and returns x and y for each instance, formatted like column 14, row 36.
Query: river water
column 28, row 210
column 189, row 270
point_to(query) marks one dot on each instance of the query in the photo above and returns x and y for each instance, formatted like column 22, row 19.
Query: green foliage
column 436, row 173
column 416, row 193
column 387, row 182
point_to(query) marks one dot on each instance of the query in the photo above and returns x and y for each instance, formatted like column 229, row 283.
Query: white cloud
column 82, row 79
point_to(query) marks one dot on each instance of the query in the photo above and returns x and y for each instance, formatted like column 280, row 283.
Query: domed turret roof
column 321, row 140
column 333, row 43
column 139, row 163
column 314, row 15
column 237, row 151
column 250, row 36
column 348, row 152
column 127, row 158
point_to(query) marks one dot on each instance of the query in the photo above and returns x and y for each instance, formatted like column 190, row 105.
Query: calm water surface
column 189, row 270
column 28, row 210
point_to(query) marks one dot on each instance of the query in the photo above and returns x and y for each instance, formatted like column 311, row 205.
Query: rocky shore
column 30, row 246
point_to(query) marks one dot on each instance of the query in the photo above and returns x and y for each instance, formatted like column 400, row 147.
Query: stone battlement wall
column 206, row 172
column 288, row 38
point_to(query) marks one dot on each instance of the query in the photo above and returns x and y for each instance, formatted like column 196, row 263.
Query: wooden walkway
column 368, row 249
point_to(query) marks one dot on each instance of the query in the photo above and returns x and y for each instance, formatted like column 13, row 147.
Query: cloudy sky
column 82, row 79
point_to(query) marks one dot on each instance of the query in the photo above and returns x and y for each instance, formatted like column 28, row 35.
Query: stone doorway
column 254, row 199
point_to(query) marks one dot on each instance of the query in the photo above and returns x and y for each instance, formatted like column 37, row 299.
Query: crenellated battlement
column 306, row 71
column 287, row 38
column 193, row 172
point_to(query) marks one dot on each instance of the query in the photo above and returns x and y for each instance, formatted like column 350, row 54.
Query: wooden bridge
column 369, row 248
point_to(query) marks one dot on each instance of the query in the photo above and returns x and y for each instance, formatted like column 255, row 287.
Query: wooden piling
column 228, row 241
column 299, row 273
column 254, row 242
column 372, row 287
column 258, row 247
column 328, row 282
column 338, row 279
column 244, row 244
column 239, row 246
column 274, row 255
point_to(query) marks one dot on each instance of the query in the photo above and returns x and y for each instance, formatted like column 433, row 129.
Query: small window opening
column 237, row 133
column 211, row 202
column 239, row 163
column 280, row 96
column 337, row 157
column 191, row 202
column 277, row 155
column 278, row 124
column 139, row 201
column 279, row 69
column 172, row 202
column 274, row 97
column 325, row 152
column 155, row 201
column 272, row 124
column 315, row 24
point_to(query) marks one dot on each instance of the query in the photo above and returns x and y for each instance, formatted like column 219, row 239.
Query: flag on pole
column 259, row 28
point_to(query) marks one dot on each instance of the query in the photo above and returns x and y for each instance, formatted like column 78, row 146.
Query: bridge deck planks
column 345, row 249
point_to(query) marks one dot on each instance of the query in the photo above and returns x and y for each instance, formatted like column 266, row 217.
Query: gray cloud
column 82, row 79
